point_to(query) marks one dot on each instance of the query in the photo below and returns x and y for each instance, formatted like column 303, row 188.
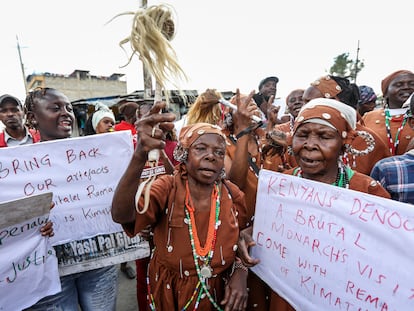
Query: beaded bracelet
column 240, row 265
column 246, row 131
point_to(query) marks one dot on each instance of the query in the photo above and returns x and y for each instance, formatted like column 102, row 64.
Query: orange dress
column 358, row 182
column 172, row 272
column 365, row 163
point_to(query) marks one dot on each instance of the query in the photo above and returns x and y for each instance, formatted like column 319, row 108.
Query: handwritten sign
column 27, row 261
column 82, row 173
column 327, row 248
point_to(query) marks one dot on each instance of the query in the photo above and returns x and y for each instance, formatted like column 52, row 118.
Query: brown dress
column 257, row 287
column 365, row 163
column 375, row 120
column 287, row 129
column 172, row 273
column 270, row 300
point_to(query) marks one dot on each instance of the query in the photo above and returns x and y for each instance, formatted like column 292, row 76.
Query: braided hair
column 30, row 102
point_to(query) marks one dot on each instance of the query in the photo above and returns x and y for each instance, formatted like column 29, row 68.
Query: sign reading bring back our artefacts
column 82, row 173
column 326, row 248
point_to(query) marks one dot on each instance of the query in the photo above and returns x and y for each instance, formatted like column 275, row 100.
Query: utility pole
column 21, row 64
column 356, row 64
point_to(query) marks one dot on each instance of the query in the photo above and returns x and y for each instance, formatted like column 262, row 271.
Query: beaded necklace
column 199, row 253
column 393, row 145
column 291, row 123
column 342, row 178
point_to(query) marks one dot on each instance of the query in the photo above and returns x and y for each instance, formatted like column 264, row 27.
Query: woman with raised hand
column 195, row 215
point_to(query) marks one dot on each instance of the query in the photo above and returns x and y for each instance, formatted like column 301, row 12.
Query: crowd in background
column 333, row 131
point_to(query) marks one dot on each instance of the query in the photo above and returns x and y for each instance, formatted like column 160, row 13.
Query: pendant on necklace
column 206, row 272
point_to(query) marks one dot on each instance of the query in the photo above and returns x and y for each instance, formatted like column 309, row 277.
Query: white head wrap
column 347, row 112
column 101, row 111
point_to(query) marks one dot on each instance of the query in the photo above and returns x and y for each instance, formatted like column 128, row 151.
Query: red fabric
column 169, row 150
column 124, row 126
column 141, row 270
column 35, row 136
column 2, row 140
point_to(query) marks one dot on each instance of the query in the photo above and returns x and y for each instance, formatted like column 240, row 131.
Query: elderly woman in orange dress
column 195, row 215
column 341, row 89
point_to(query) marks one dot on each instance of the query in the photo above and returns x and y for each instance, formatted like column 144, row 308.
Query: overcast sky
column 222, row 44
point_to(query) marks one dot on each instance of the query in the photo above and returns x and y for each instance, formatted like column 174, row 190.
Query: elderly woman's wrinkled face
column 205, row 160
column 316, row 148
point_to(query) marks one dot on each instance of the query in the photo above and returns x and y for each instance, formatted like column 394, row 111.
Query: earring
column 369, row 140
column 223, row 173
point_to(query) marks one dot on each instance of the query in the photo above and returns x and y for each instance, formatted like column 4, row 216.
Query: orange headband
column 189, row 134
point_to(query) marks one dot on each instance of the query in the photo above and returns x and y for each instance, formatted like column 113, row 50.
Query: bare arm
column 242, row 119
column 123, row 203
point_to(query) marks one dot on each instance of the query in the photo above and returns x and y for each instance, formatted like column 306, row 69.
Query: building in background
column 85, row 90
column 79, row 84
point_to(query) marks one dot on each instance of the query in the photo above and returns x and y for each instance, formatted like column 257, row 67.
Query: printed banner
column 327, row 248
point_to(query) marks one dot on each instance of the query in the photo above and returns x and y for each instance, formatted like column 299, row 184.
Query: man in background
column 267, row 88
column 12, row 116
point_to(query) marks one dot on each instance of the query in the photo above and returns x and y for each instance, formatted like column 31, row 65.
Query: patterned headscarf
column 387, row 80
column 189, row 134
column 331, row 113
column 367, row 95
column 327, row 86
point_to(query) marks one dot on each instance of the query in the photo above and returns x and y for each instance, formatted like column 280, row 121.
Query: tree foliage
column 344, row 66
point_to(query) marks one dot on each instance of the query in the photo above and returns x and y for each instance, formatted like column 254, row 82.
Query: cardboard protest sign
column 27, row 261
column 327, row 248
